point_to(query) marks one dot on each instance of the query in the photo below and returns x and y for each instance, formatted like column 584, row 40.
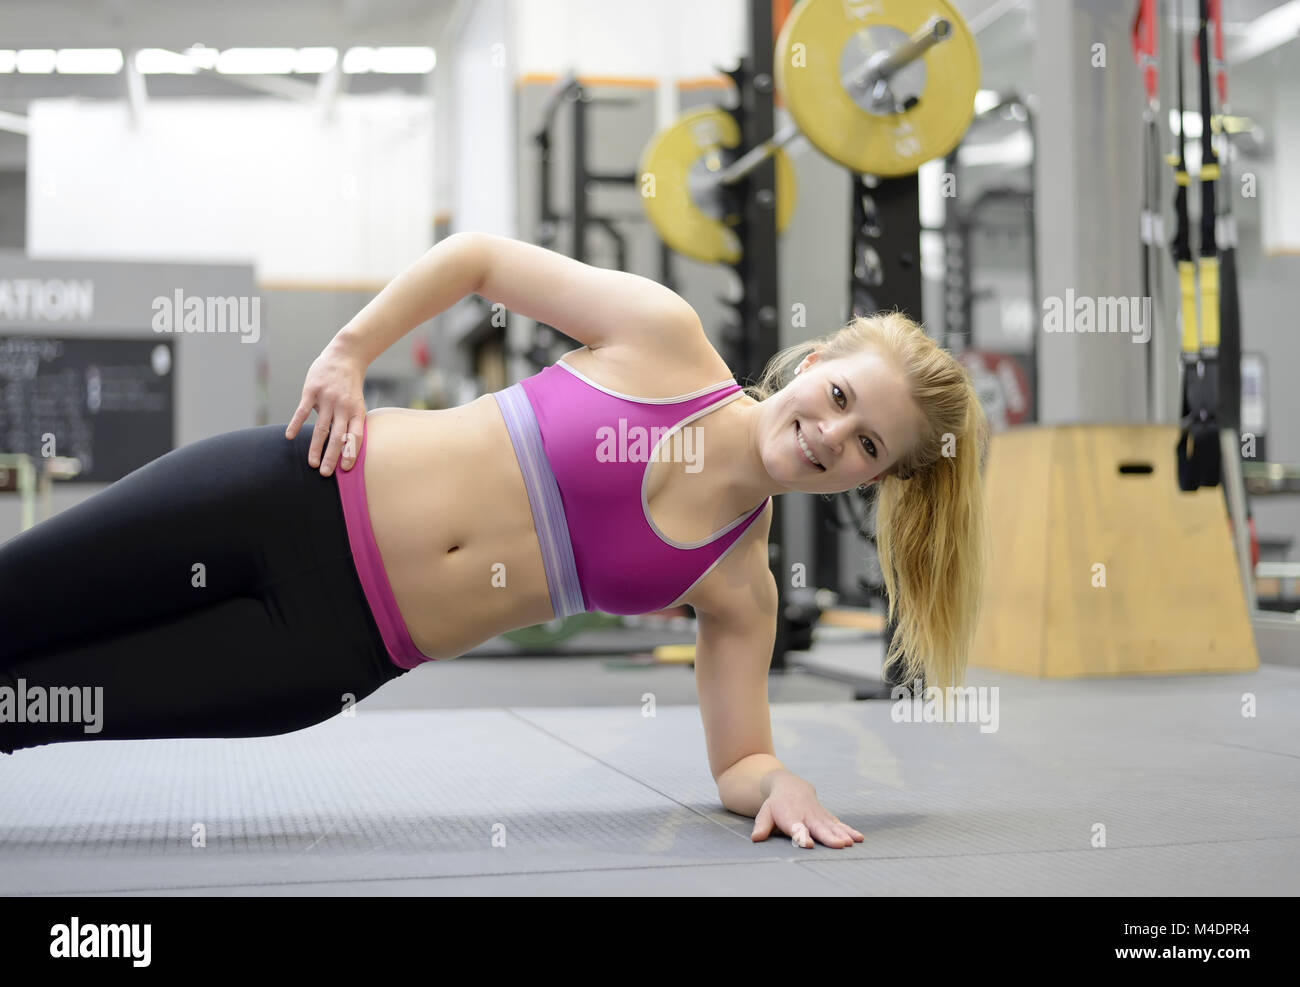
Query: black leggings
column 209, row 593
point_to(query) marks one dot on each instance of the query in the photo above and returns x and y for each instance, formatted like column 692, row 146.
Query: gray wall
column 13, row 209
column 215, row 374
column 300, row 323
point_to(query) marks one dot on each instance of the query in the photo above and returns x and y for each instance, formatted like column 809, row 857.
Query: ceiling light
column 406, row 61
column 36, row 60
column 410, row 61
column 257, row 61
column 358, row 60
column 157, row 61
column 202, row 57
column 315, row 59
column 88, row 61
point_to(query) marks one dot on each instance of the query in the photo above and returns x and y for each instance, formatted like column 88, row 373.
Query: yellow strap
column 1209, row 172
column 1209, row 303
column 1187, row 283
column 1182, row 178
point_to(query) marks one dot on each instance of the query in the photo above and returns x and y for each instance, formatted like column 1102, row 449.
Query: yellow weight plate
column 675, row 653
column 811, row 57
column 683, row 156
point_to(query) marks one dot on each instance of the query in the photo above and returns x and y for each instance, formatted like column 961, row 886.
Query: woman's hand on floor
column 334, row 388
column 792, row 807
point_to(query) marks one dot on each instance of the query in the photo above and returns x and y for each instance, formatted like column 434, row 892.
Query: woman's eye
column 839, row 395
column 869, row 446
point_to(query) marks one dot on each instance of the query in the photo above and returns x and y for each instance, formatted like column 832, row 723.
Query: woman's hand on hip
column 792, row 807
column 334, row 388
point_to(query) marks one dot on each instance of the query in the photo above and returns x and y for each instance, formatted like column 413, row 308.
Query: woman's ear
column 807, row 362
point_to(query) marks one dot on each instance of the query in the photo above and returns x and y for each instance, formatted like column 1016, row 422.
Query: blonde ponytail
column 930, row 523
column 931, row 537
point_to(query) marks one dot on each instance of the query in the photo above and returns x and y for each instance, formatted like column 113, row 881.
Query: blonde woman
column 338, row 557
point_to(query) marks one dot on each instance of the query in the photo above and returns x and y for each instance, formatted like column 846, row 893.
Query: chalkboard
column 108, row 402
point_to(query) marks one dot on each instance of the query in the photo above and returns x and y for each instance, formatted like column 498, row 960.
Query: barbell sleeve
column 936, row 29
column 866, row 74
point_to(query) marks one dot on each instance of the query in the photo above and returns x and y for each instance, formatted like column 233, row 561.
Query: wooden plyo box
column 1070, row 506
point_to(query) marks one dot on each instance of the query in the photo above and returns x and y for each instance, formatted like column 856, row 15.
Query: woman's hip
column 221, row 517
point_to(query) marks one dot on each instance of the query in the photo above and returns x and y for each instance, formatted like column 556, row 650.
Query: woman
column 226, row 589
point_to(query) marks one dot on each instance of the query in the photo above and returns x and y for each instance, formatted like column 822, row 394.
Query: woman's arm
column 593, row 305
column 733, row 653
column 448, row 271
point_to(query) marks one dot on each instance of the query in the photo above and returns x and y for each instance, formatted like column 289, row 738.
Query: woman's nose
column 834, row 433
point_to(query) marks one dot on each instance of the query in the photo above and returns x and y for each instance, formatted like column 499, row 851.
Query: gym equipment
column 863, row 86
column 1229, row 356
column 690, row 207
column 1208, row 449
column 602, row 633
column 1065, row 499
column 18, row 475
column 1006, row 378
column 544, row 637
column 582, row 180
column 1145, row 35
column 1198, row 450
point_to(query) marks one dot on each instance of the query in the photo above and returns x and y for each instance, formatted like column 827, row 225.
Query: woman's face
column 838, row 424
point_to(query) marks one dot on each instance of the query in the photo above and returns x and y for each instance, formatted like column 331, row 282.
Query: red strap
column 1144, row 44
column 1220, row 76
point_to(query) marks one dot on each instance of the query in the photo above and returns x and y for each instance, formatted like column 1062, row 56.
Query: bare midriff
column 452, row 520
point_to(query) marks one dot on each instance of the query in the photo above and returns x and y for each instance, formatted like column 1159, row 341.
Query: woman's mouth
column 803, row 447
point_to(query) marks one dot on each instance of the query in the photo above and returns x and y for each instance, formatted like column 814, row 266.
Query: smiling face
column 838, row 424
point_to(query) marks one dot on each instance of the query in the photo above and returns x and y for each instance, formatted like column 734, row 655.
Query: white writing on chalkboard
column 46, row 299
column 105, row 402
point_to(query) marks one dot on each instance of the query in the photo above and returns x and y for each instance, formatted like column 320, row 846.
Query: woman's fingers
column 323, row 419
column 762, row 823
column 299, row 416
column 849, row 830
column 334, row 449
column 833, row 834
column 842, row 832
column 828, row 832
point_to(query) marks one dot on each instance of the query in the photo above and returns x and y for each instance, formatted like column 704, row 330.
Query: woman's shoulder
column 653, row 369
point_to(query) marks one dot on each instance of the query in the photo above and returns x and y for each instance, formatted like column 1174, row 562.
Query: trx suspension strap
column 1181, row 250
column 1198, row 451
column 1229, row 309
column 1144, row 38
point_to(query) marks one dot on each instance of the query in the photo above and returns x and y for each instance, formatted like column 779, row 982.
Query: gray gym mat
column 1194, row 797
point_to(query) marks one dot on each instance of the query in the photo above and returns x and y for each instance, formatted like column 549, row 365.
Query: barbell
column 879, row 86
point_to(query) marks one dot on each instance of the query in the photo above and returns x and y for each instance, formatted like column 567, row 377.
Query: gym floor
column 542, row 776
